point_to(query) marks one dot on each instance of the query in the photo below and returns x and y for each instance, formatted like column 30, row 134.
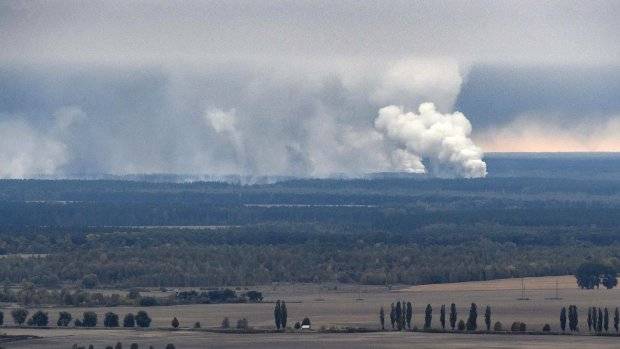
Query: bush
column 143, row 319
column 547, row 328
column 148, row 302
column 518, row 327
column 297, row 325
column 119, row 345
column 461, row 325
column 305, row 322
column 133, row 294
column 225, row 323
column 90, row 319
column 133, row 346
column 129, row 320
column 498, row 326
column 242, row 324
column 39, row 319
column 197, row 324
column 78, row 323
column 19, row 316
column 90, row 281
column 254, row 296
column 110, row 320
column 175, row 322
column 64, row 319
column 170, row 346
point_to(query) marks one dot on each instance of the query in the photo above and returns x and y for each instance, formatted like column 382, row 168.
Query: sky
column 299, row 88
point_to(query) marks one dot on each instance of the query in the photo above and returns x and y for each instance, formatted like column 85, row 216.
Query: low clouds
column 551, row 133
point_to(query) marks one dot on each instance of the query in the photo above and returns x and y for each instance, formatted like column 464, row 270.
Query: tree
column 170, row 346
column 616, row 319
column 382, row 318
column 392, row 315
column 409, row 314
column 606, row 320
column 226, row 323
column 1, row 318
column 175, row 322
column 89, row 319
column 284, row 314
column 118, row 345
column 594, row 319
column 442, row 316
column 90, row 281
column 487, row 317
column 472, row 320
column 589, row 319
column 563, row 319
column 242, row 324
column 129, row 320
column 590, row 275
column 599, row 325
column 143, row 319
column 110, row 319
column 64, row 319
column 39, row 319
column 428, row 316
column 573, row 318
column 19, row 316
column 399, row 316
column 453, row 315
column 498, row 326
column 461, row 325
column 277, row 315
column 254, row 296
column 133, row 346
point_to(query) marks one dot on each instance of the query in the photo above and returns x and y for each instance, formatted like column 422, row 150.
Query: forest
column 529, row 218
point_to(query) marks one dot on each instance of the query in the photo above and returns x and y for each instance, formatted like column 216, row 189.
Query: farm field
column 352, row 306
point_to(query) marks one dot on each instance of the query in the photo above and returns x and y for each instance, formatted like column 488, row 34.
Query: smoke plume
column 443, row 139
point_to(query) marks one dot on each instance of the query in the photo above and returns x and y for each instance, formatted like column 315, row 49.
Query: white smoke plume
column 442, row 139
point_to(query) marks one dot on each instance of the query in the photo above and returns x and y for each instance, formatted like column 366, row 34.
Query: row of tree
column 401, row 317
column 89, row 319
column 598, row 319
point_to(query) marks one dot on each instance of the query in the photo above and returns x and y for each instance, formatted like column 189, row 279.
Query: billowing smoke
column 442, row 139
column 249, row 119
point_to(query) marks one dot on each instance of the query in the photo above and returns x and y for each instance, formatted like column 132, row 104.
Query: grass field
column 352, row 306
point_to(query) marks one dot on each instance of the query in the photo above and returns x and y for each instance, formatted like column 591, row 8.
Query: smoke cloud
column 218, row 119
column 443, row 139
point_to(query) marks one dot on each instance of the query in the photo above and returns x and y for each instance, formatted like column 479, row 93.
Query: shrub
column 175, row 322
column 19, row 316
column 148, row 302
column 133, row 294
column 498, row 326
column 225, row 323
column 305, row 322
column 461, row 325
column 133, row 346
column 110, row 320
column 522, row 327
column 170, row 346
column 197, row 324
column 518, row 327
column 547, row 328
column 297, row 325
column 119, row 345
column 242, row 324
column 90, row 281
column 143, row 319
column 90, row 319
column 129, row 320
column 39, row 319
column 254, row 296
column 64, row 319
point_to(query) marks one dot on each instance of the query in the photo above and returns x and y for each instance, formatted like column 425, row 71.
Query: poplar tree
column 472, row 320
column 600, row 320
column 487, row 317
column 283, row 314
column 563, row 319
column 590, row 319
column 409, row 314
column 453, row 315
column 393, row 315
column 442, row 316
column 382, row 318
column 594, row 319
column 428, row 316
column 399, row 316
column 606, row 320
column 616, row 319
column 277, row 315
